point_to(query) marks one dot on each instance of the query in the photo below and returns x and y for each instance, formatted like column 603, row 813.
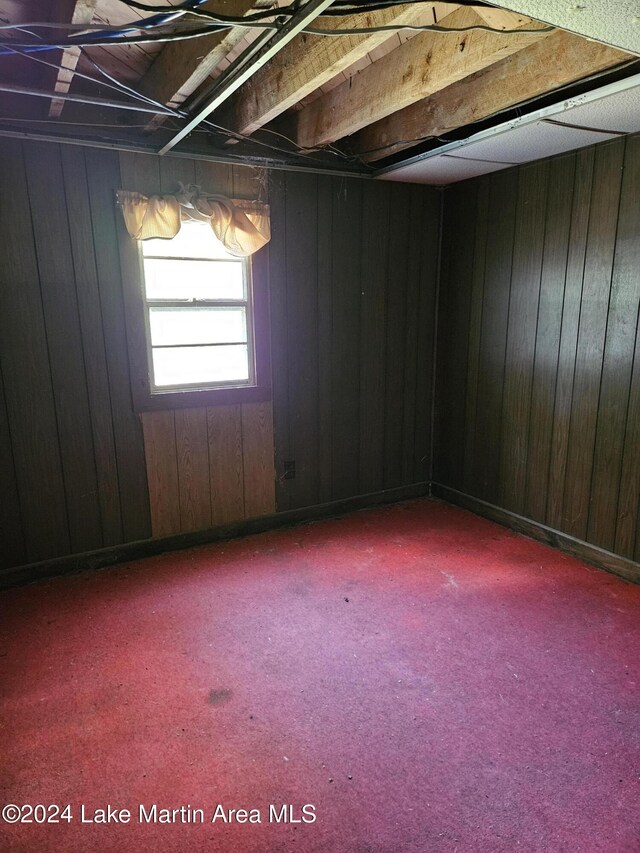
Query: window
column 202, row 337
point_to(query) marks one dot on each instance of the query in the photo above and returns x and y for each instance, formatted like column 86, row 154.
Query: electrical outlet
column 289, row 470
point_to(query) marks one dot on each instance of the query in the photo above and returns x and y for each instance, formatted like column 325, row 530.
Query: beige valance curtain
column 242, row 227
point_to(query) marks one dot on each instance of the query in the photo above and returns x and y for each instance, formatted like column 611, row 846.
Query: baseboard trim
column 624, row 568
column 129, row 551
column 126, row 552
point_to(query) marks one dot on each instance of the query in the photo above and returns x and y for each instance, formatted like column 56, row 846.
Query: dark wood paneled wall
column 353, row 284
column 538, row 390
column 353, row 280
column 73, row 455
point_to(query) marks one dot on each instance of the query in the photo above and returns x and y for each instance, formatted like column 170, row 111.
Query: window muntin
column 198, row 309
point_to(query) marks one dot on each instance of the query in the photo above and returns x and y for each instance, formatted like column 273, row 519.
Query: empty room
column 319, row 426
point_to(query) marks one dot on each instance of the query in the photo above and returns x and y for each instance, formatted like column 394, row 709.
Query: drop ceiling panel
column 584, row 121
column 619, row 112
column 615, row 22
column 531, row 142
column 444, row 169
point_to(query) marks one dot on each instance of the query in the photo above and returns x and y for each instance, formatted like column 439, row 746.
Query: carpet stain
column 219, row 697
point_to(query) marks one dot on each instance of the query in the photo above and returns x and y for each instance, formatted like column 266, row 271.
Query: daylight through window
column 198, row 312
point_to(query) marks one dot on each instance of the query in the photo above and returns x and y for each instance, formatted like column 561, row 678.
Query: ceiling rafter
column 376, row 93
column 311, row 61
column 82, row 12
column 182, row 67
column 254, row 57
column 558, row 60
column 502, row 19
column 421, row 66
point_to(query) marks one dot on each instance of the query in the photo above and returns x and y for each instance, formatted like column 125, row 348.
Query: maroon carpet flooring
column 426, row 679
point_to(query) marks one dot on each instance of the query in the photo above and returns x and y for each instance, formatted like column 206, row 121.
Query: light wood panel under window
column 207, row 467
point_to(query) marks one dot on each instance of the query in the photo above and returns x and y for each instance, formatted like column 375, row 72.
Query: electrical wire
column 328, row 147
column 221, row 22
column 123, row 87
column 339, row 7
column 57, row 25
column 186, row 6
column 107, row 40
column 168, row 16
column 206, row 31
column 301, row 151
column 176, row 114
column 394, row 28
column 181, row 114
column 14, row 119
column 214, row 17
column 118, row 88
column 225, row 131
column 335, row 10
column 94, row 35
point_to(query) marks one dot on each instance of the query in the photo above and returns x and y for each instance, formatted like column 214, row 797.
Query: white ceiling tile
column 442, row 170
column 617, row 112
column 615, row 22
column 531, row 140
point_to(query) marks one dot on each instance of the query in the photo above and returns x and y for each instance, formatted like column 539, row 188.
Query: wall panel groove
column 521, row 333
column 549, row 323
column 103, row 180
column 596, row 293
column 49, row 217
column 569, row 334
column 493, row 335
column 24, row 360
column 93, row 343
column 618, row 356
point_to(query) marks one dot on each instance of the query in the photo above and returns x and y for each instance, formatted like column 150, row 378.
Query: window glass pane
column 172, row 279
column 200, row 365
column 171, row 326
column 193, row 240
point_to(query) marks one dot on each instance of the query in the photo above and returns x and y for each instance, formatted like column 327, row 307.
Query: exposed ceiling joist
column 421, row 66
column 181, row 67
column 502, row 19
column 381, row 91
column 311, row 61
column 82, row 12
column 560, row 59
column 248, row 64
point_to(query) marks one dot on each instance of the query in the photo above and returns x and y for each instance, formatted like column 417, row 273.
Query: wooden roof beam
column 560, row 59
column 82, row 12
column 182, row 66
column 425, row 64
column 311, row 61
column 502, row 19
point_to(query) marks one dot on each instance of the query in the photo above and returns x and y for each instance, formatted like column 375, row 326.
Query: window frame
column 147, row 397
